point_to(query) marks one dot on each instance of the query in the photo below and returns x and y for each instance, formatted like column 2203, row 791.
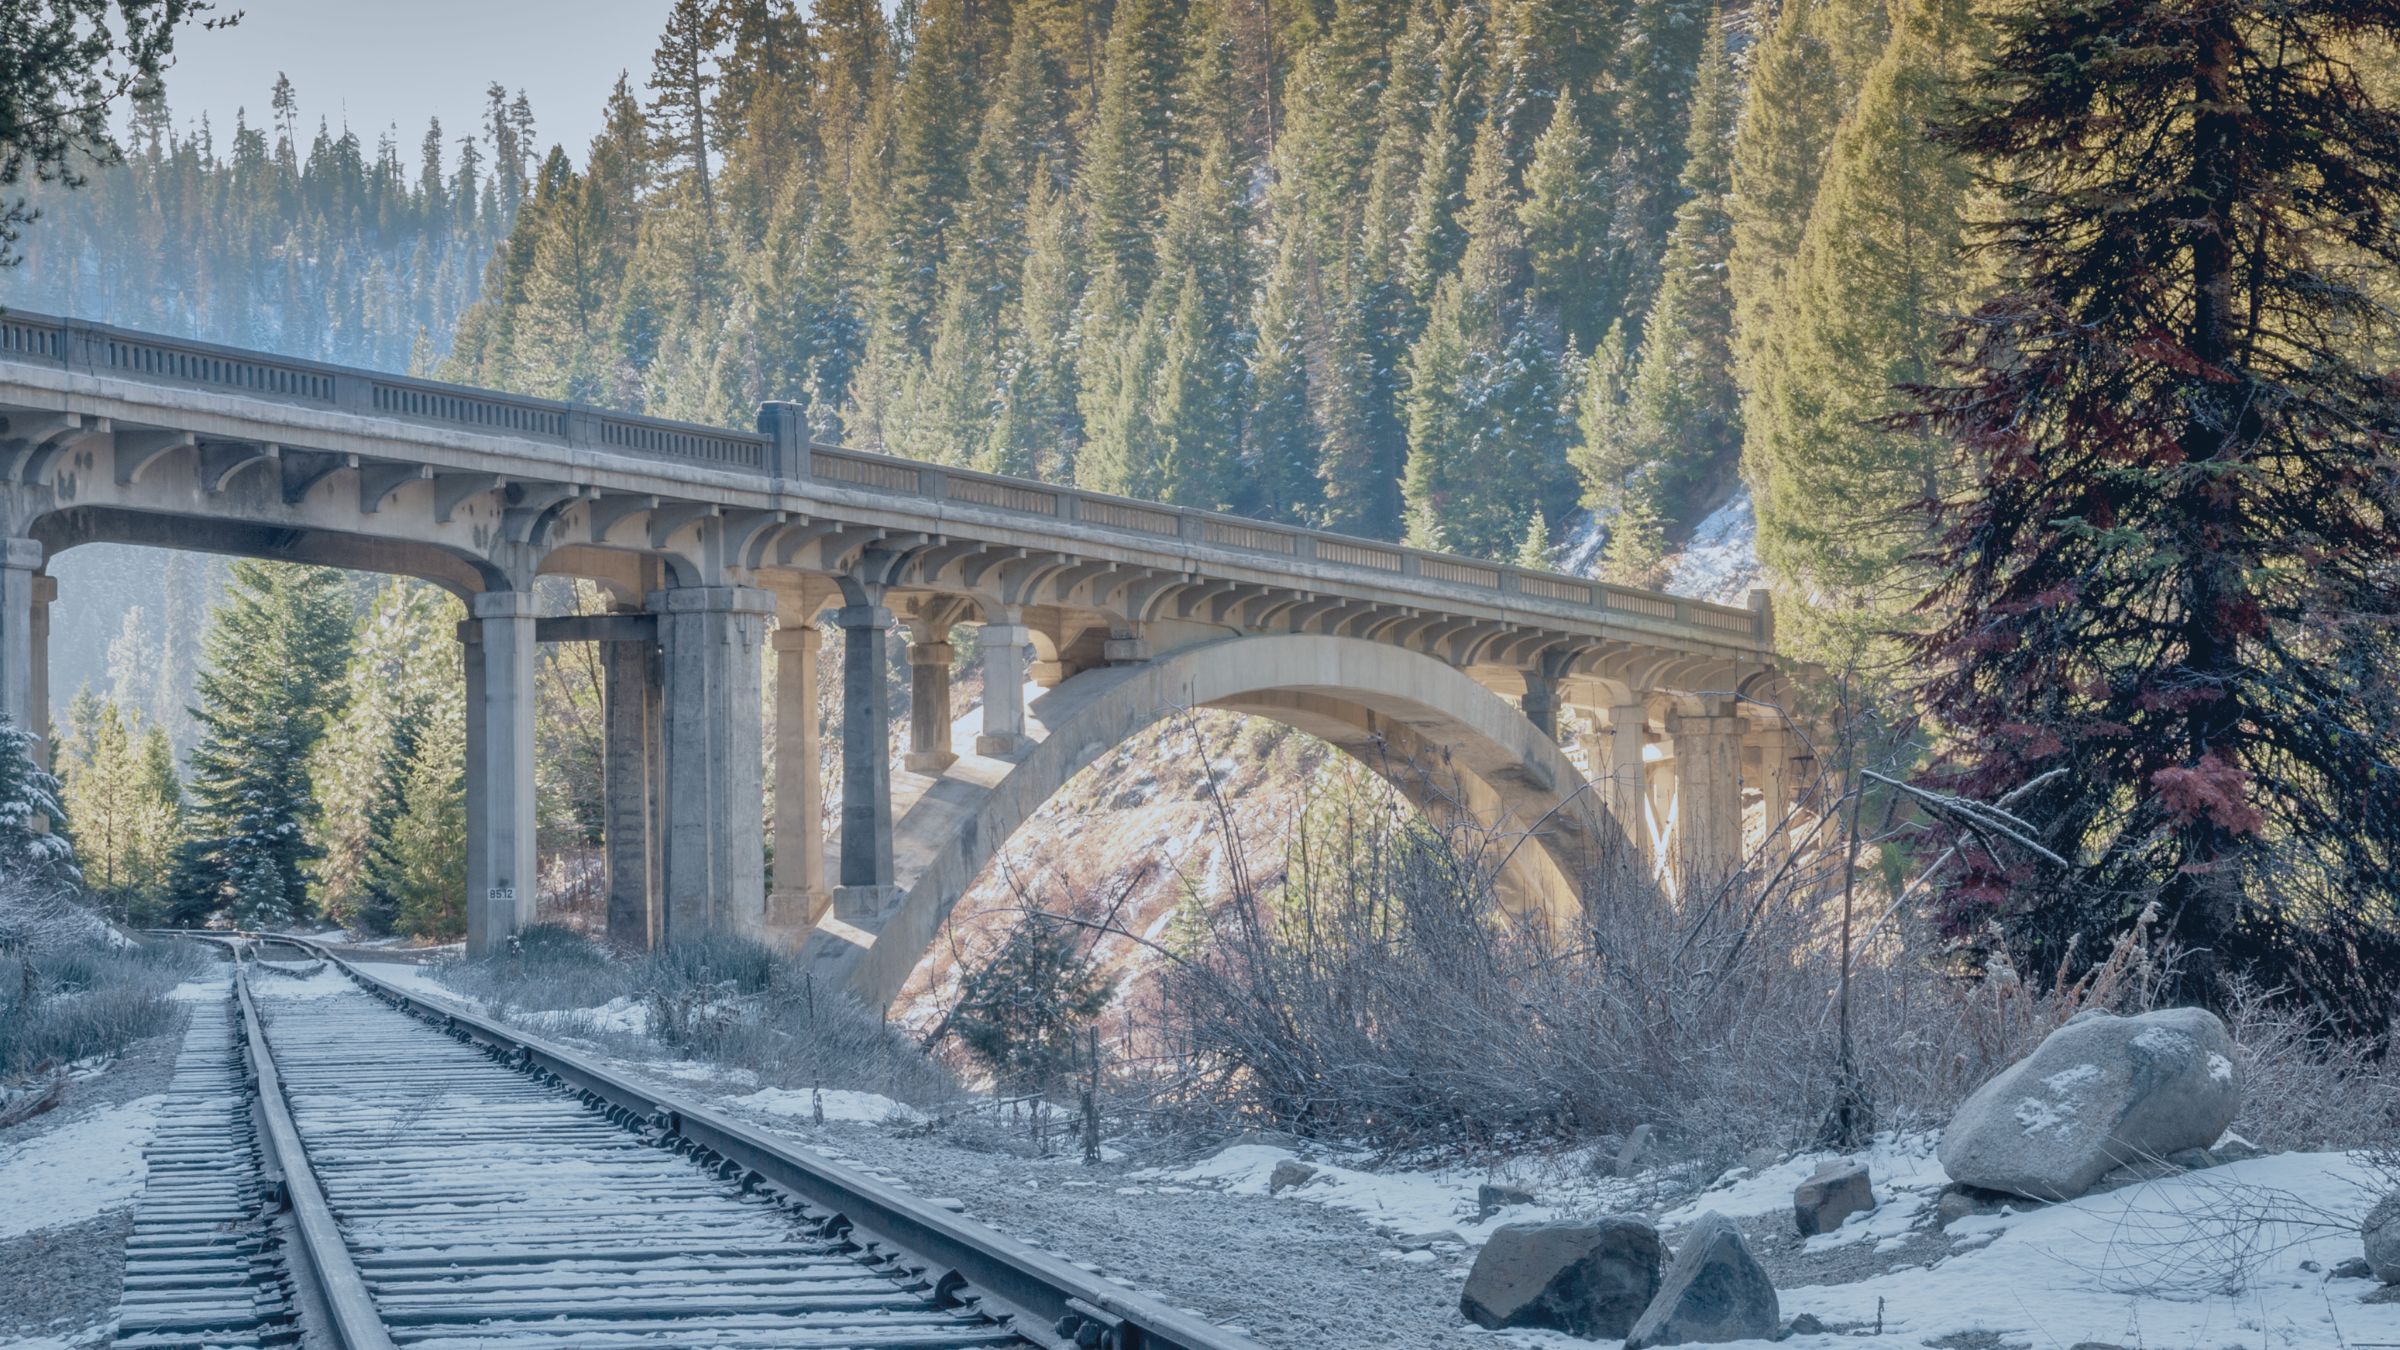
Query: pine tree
column 403, row 659
column 1795, row 100
column 111, row 795
column 1841, row 497
column 1038, row 428
column 926, row 191
column 682, row 76
column 2167, row 621
column 275, row 652
column 1485, row 436
column 1129, row 160
column 33, row 821
column 1279, row 435
column 1566, row 217
column 1657, row 70
column 1683, row 409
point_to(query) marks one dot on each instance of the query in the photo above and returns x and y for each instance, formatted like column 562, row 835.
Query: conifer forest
column 2029, row 368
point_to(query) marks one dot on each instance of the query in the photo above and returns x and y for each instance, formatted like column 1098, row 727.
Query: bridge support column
column 501, row 870
column 867, row 890
column 21, row 654
column 631, row 772
column 1539, row 703
column 1708, row 829
column 45, row 590
column 799, row 898
column 929, row 749
column 709, row 643
column 1003, row 646
column 1775, row 790
column 1617, row 760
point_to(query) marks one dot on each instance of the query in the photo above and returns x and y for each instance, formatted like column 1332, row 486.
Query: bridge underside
column 1604, row 722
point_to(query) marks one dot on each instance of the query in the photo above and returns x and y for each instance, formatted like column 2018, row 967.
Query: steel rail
column 319, row 1257
column 1037, row 1295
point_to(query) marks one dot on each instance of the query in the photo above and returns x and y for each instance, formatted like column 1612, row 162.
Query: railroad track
column 410, row 1173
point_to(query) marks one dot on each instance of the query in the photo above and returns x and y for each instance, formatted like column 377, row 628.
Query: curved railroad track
column 372, row 1168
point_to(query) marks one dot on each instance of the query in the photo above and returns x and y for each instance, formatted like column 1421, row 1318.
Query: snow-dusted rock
column 1584, row 1278
column 1492, row 1197
column 1289, row 1174
column 2382, row 1232
column 2100, row 1092
column 1832, row 1193
column 1714, row 1292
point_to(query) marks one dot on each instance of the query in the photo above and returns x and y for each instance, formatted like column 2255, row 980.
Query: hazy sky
column 373, row 63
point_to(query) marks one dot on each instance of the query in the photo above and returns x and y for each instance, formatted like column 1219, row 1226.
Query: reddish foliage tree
column 2174, row 576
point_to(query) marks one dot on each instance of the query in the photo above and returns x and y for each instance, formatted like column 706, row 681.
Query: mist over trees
column 315, row 243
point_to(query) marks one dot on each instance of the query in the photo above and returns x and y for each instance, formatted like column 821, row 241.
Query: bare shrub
column 731, row 1001
column 70, row 986
column 1369, row 993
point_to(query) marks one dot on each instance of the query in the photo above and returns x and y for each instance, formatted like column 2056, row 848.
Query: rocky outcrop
column 1585, row 1278
column 1832, row 1193
column 1714, row 1292
column 2098, row 1093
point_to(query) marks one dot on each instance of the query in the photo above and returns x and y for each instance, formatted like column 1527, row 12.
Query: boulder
column 1586, row 1278
column 2382, row 1232
column 1714, row 1292
column 2098, row 1093
column 1492, row 1197
column 1289, row 1173
column 1832, row 1193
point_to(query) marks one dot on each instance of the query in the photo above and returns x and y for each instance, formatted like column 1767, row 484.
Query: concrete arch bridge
column 1093, row 616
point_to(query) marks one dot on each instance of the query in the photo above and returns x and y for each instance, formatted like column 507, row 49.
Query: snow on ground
column 840, row 1104
column 1908, row 1181
column 622, row 1013
column 78, row 1171
column 415, row 979
column 2203, row 1260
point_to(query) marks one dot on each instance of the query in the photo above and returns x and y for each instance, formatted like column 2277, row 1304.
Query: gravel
column 1291, row 1274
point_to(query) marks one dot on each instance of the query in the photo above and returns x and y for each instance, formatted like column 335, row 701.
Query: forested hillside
column 318, row 245
column 1437, row 271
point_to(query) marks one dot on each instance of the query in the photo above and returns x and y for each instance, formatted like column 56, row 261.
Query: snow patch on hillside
column 1719, row 562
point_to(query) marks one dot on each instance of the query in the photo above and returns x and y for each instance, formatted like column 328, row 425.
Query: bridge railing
column 781, row 449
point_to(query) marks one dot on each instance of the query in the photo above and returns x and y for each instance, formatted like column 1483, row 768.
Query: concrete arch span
column 1441, row 738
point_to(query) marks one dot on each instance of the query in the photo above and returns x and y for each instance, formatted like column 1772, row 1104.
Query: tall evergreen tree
column 1882, row 269
column 2168, row 620
column 1484, row 404
column 1682, row 406
column 275, row 653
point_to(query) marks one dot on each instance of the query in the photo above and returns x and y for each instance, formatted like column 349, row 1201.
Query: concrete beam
column 597, row 628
